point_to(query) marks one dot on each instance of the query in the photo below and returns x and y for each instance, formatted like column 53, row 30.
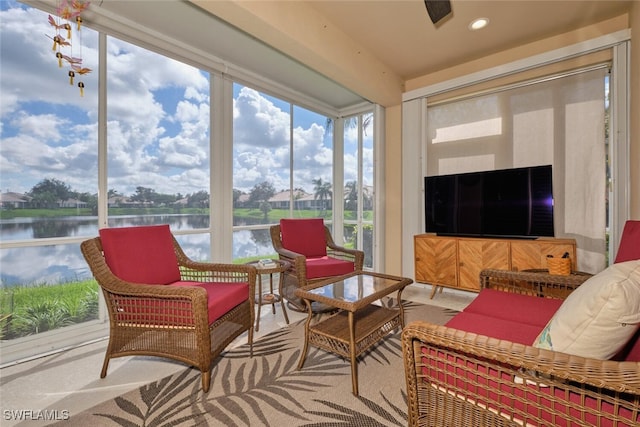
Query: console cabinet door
column 533, row 254
column 474, row 255
column 435, row 260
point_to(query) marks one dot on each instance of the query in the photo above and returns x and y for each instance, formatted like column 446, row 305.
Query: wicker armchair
column 174, row 320
column 308, row 265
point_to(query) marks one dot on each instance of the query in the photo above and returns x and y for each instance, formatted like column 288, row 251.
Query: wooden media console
column 456, row 262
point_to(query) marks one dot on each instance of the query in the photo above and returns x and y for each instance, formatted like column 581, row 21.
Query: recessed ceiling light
column 479, row 23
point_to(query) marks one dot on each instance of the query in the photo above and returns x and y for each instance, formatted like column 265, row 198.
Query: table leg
column 434, row 289
column 305, row 347
column 352, row 352
column 401, row 307
column 280, row 290
column 273, row 303
column 259, row 301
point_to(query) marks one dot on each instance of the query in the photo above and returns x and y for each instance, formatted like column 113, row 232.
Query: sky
column 158, row 120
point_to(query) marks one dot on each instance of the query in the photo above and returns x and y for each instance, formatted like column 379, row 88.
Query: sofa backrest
column 629, row 248
column 631, row 351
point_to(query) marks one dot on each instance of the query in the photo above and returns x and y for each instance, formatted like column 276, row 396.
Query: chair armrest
column 134, row 303
column 288, row 254
column 214, row 272
column 298, row 263
column 336, row 251
column 341, row 252
column 487, row 369
column 553, row 365
column 532, row 282
column 210, row 272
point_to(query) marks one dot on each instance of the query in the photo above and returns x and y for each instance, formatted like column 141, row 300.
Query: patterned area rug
column 268, row 390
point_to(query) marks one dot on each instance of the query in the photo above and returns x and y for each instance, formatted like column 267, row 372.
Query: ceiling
column 398, row 34
column 401, row 35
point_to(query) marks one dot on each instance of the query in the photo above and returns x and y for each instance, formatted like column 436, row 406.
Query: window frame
column 222, row 78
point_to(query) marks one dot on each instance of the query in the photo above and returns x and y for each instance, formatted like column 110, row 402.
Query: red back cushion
column 141, row 254
column 629, row 248
column 304, row 236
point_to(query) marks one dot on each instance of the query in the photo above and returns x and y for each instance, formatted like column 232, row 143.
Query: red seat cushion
column 221, row 296
column 629, row 248
column 304, row 236
column 326, row 267
column 526, row 309
column 495, row 328
column 141, row 254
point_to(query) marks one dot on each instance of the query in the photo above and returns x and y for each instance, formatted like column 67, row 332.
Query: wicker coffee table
column 358, row 325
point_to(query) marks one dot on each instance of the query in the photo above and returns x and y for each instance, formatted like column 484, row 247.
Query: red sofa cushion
column 326, row 267
column 141, row 254
column 304, row 236
column 525, row 309
column 629, row 248
column 221, row 296
column 495, row 328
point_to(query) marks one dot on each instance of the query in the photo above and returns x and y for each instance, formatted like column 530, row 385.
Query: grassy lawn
column 251, row 213
column 28, row 310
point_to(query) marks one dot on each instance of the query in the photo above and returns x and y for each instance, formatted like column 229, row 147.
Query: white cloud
column 158, row 121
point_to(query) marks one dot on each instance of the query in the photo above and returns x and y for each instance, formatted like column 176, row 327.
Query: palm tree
column 322, row 191
column 351, row 195
column 352, row 122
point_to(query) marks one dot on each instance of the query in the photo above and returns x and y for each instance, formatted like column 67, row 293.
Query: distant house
column 121, row 201
column 72, row 203
column 301, row 200
column 11, row 200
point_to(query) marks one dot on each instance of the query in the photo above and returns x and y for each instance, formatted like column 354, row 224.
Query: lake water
column 60, row 263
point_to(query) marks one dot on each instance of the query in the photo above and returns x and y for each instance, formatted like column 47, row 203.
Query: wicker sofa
column 483, row 368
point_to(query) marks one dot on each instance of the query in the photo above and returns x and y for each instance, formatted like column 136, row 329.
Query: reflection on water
column 70, row 226
column 62, row 263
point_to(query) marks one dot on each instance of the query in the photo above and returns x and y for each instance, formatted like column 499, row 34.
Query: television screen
column 501, row 203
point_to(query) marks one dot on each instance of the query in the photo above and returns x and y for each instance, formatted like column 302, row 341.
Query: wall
column 393, row 187
column 521, row 52
column 634, row 157
column 394, row 161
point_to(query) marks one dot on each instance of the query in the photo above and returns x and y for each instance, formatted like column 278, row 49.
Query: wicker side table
column 532, row 282
column 272, row 297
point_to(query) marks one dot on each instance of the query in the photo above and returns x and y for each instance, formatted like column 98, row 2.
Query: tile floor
column 69, row 380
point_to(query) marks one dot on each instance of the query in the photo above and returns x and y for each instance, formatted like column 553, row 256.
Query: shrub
column 32, row 309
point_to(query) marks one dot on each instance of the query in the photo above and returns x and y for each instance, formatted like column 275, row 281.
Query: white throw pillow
column 599, row 317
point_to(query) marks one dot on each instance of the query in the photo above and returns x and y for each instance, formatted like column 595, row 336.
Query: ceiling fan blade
column 437, row 9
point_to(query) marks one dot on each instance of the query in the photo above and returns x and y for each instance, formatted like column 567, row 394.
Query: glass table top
column 355, row 288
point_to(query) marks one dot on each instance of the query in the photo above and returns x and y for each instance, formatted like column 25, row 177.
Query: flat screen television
column 513, row 203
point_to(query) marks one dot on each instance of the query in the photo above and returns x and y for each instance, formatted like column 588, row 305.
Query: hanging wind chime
column 68, row 11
